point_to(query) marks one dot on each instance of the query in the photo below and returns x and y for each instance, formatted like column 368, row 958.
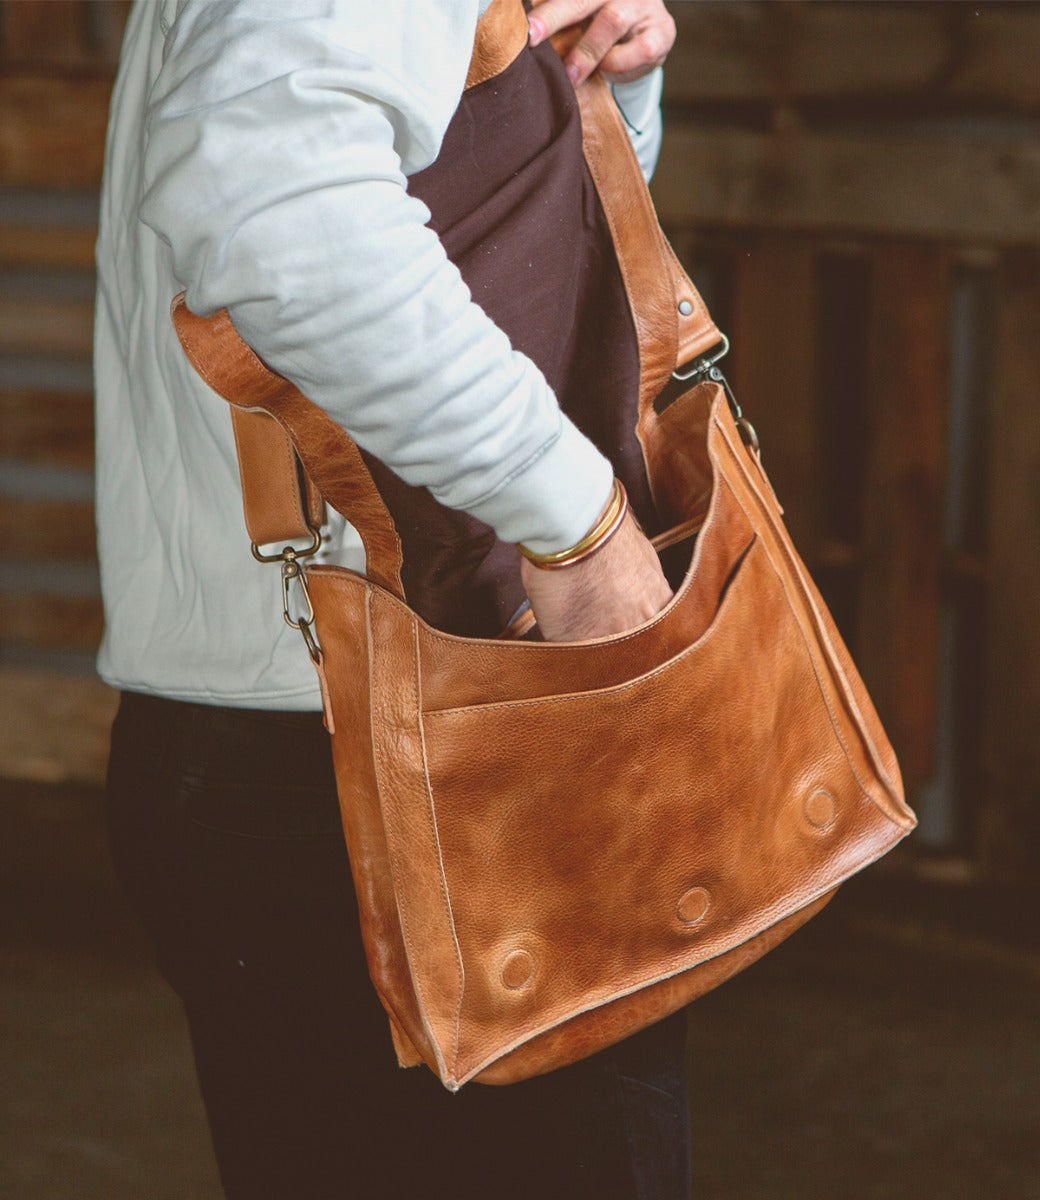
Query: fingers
column 628, row 38
column 551, row 16
column 609, row 27
column 631, row 60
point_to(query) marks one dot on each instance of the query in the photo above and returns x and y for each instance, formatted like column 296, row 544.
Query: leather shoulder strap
column 279, row 499
column 501, row 35
column 329, row 455
column 672, row 322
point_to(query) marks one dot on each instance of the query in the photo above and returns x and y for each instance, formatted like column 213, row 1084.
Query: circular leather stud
column 517, row 970
column 685, row 307
column 820, row 808
column 693, row 906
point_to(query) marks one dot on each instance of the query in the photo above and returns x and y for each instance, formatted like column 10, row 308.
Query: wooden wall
column 856, row 186
column 57, row 60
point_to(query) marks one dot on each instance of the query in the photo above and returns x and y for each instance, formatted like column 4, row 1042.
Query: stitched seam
column 646, row 216
column 431, row 815
column 494, row 69
column 260, row 369
column 829, row 653
column 498, row 66
column 680, row 965
column 835, row 725
column 618, row 688
column 283, row 512
column 293, row 502
column 391, row 842
column 642, row 332
column 554, row 647
column 701, row 309
column 370, row 538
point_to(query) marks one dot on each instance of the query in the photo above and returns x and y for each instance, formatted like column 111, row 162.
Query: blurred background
column 856, row 189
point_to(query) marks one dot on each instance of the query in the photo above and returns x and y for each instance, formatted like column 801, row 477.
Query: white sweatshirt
column 258, row 153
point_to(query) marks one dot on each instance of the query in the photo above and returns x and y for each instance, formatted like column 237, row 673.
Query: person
column 429, row 266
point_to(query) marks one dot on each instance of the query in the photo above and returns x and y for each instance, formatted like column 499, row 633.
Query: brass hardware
column 748, row 435
column 606, row 526
column 704, row 362
column 706, row 367
column 313, row 649
column 293, row 571
column 289, row 551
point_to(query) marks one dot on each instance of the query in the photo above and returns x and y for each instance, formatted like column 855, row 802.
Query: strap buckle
column 705, row 367
column 289, row 552
column 704, row 362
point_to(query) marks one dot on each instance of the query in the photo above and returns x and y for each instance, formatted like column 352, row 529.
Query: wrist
column 606, row 525
column 555, row 499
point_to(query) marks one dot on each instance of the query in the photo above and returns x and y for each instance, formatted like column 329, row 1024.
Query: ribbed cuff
column 555, row 499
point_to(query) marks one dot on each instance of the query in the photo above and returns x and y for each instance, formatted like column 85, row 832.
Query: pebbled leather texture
column 279, row 502
column 585, row 837
column 556, row 844
column 501, row 35
column 330, row 457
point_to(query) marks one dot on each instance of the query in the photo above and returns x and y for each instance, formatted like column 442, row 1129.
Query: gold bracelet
column 608, row 523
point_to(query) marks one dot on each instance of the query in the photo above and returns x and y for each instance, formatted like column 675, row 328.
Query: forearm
column 281, row 190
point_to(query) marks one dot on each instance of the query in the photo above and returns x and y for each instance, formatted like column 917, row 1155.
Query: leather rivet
column 686, row 307
column 820, row 808
column 517, row 970
column 693, row 906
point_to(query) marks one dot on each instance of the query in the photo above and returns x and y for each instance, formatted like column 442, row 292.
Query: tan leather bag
column 555, row 845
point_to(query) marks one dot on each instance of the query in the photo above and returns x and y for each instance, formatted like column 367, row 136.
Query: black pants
column 225, row 833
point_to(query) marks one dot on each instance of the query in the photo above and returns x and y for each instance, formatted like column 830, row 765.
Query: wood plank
column 47, row 529
column 898, row 644
column 54, row 728
column 1010, row 827
column 53, row 33
column 838, row 474
column 52, row 427
column 896, row 185
column 47, row 246
column 66, row 622
column 110, row 17
column 46, row 326
column 781, row 53
column 771, row 368
column 53, row 131
column 728, row 51
column 999, row 52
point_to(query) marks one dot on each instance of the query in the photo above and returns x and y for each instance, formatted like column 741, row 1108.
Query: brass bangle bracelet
column 608, row 523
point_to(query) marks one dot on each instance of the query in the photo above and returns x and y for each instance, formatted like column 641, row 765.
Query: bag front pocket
column 593, row 842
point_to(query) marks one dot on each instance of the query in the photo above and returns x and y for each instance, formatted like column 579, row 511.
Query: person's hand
column 613, row 591
column 625, row 38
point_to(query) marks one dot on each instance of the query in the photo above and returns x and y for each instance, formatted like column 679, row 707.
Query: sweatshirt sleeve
column 279, row 140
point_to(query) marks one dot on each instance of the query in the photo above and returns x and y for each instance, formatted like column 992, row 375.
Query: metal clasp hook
column 706, row 367
column 293, row 572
